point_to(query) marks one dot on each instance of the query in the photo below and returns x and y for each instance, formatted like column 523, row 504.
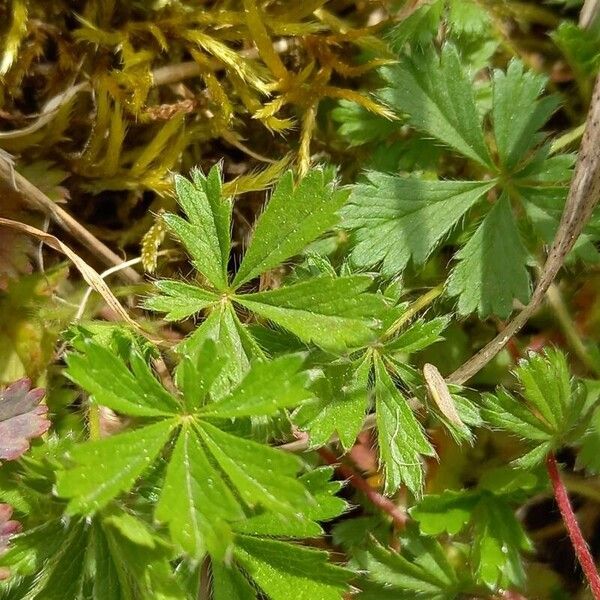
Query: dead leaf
column 22, row 418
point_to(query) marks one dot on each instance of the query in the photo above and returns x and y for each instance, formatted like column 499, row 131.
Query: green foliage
column 278, row 424
column 395, row 218
column 335, row 313
column 555, row 411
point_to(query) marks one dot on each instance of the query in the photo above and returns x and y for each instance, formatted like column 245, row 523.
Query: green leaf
column 62, row 576
column 438, row 97
column 419, row 335
column 223, row 327
column 108, row 467
column 357, row 125
column 266, row 388
column 334, row 313
column 341, row 405
column 278, row 567
column 422, row 569
column 419, row 27
column 230, row 584
column 179, row 300
column 206, row 233
column 517, row 112
column 195, row 502
column 449, row 512
column 396, row 219
column 499, row 540
column 300, row 525
column 104, row 375
column 262, row 475
column 196, row 377
column 401, row 437
column 491, row 271
column 295, row 216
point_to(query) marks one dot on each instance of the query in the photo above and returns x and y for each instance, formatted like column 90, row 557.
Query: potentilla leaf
column 224, row 328
column 340, row 408
column 544, row 207
column 438, row 97
column 295, row 216
column 206, row 233
column 420, row 570
column 195, row 501
column 555, row 411
column 266, row 388
column 499, row 540
column 179, row 300
column 230, row 584
column 418, row 336
column 518, row 112
column 196, row 377
column 492, row 267
column 108, row 467
column 261, row 475
column 278, row 567
column 395, row 219
column 106, row 377
column 448, row 512
column 401, row 437
column 335, row 313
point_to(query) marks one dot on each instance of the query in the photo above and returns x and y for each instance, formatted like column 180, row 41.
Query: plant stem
column 93, row 421
column 356, row 480
column 579, row 544
column 418, row 305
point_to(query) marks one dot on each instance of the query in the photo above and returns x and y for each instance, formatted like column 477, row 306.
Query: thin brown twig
column 384, row 504
column 36, row 199
column 584, row 194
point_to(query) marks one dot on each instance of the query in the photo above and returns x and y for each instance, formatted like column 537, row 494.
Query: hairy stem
column 580, row 546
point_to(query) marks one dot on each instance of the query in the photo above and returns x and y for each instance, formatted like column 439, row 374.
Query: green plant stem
column 567, row 139
column 580, row 546
column 93, row 421
column 418, row 305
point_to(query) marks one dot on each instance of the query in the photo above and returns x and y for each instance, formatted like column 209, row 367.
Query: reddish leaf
column 21, row 418
column 8, row 528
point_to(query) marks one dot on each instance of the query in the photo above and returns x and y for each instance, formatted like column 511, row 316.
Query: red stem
column 356, row 480
column 579, row 544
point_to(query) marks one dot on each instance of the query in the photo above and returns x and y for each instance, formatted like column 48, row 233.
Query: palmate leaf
column 556, row 410
column 333, row 312
column 60, row 560
column 492, row 266
column 436, row 94
column 420, row 570
column 213, row 477
column 348, row 388
column 396, row 219
column 498, row 537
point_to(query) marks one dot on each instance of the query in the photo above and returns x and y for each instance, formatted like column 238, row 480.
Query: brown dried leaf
column 22, row 418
